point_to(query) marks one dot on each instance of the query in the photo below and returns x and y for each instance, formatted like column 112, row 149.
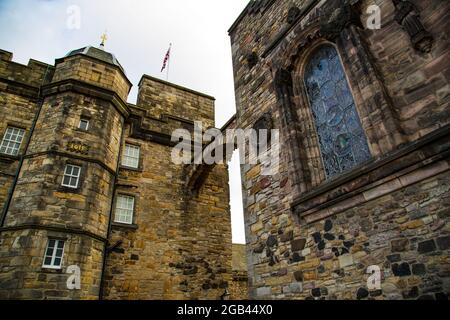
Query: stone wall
column 95, row 72
column 239, row 286
column 22, row 275
column 207, row 246
column 179, row 244
column 161, row 99
column 41, row 208
column 19, row 105
column 139, row 267
column 405, row 233
column 308, row 236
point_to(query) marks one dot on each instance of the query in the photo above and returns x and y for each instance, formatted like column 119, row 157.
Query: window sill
column 8, row 158
column 69, row 190
column 118, row 225
column 130, row 169
column 373, row 179
column 84, row 131
column 52, row 270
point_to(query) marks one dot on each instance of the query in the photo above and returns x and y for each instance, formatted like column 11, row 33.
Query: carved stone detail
column 78, row 147
column 252, row 59
column 408, row 16
column 264, row 123
column 338, row 19
column 284, row 90
column 259, row 6
column 293, row 14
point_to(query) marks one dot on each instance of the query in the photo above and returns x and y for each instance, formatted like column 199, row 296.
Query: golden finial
column 104, row 37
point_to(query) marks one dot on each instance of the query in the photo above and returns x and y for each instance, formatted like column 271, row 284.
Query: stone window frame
column 310, row 188
column 116, row 224
column 140, row 161
column 71, row 175
column 84, row 119
column 304, row 113
column 81, row 180
column 85, row 115
column 51, row 266
column 15, row 125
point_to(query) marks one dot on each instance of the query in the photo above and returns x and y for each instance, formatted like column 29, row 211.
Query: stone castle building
column 363, row 183
column 364, row 120
column 86, row 180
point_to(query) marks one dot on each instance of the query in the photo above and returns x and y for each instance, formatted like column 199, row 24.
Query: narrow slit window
column 84, row 124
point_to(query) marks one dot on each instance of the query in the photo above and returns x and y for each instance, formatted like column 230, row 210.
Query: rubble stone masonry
column 312, row 237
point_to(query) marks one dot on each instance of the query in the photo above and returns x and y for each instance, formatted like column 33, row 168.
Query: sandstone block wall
column 239, row 285
column 91, row 71
column 160, row 98
column 41, row 208
column 179, row 246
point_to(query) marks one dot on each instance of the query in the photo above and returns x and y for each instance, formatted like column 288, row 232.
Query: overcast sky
column 139, row 33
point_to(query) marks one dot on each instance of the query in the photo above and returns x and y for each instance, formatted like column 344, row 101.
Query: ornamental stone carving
column 408, row 16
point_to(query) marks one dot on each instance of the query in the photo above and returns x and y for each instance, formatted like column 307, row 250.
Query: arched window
column 343, row 144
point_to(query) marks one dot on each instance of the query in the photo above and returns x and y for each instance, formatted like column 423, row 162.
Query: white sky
column 139, row 33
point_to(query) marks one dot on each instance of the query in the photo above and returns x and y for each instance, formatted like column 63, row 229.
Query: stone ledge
column 19, row 88
column 118, row 225
column 72, row 85
column 8, row 158
column 418, row 161
column 122, row 167
column 71, row 156
column 178, row 87
column 34, row 226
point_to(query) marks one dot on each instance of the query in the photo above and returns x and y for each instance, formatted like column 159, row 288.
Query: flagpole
column 168, row 63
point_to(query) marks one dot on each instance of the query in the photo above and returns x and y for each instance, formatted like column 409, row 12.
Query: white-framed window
column 54, row 254
column 71, row 176
column 84, row 124
column 124, row 209
column 130, row 156
column 12, row 140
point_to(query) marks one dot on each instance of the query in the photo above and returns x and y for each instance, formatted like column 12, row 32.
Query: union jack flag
column 166, row 58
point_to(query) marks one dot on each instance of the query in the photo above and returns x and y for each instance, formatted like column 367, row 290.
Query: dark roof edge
column 266, row 7
column 225, row 126
column 239, row 18
column 176, row 86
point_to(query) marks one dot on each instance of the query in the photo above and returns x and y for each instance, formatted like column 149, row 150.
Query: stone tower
column 88, row 87
column 88, row 187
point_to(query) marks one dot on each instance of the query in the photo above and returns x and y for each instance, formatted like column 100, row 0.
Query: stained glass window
column 343, row 144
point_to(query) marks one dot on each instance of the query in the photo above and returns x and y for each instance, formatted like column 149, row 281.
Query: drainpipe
column 106, row 250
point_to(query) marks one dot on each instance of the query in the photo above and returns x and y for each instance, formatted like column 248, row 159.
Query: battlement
column 161, row 98
column 34, row 74
column 161, row 103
